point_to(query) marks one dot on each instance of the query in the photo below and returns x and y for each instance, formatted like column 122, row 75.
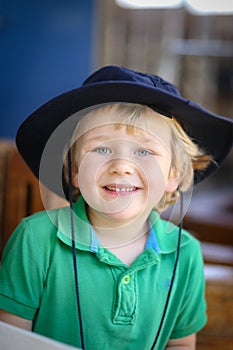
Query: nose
column 121, row 167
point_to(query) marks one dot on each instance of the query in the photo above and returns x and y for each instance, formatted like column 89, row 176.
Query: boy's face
column 122, row 174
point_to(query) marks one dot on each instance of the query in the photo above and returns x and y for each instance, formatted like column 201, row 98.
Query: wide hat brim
column 211, row 132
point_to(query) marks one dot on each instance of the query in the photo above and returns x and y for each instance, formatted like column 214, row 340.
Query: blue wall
column 46, row 49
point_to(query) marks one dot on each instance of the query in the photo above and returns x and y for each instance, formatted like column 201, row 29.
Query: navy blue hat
column 211, row 132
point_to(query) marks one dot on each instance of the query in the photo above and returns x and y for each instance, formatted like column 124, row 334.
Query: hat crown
column 118, row 74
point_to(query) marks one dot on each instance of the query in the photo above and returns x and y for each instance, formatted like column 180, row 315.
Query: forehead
column 143, row 123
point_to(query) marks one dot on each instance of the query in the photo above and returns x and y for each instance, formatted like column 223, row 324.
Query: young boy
column 121, row 147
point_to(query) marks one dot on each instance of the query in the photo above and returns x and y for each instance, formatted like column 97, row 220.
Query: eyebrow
column 97, row 138
column 144, row 140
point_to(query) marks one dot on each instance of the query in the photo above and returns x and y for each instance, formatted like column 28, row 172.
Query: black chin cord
column 173, row 274
column 74, row 250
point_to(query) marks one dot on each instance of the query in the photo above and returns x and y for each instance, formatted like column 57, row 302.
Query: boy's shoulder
column 43, row 223
column 44, row 217
column 167, row 234
column 36, row 233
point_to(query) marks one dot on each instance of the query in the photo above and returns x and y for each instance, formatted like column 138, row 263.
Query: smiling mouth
column 120, row 189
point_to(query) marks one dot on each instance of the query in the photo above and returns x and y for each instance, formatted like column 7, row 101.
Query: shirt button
column 126, row 279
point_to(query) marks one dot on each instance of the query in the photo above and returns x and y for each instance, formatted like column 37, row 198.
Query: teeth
column 121, row 189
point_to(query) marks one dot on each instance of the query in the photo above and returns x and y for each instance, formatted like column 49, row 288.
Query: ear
column 75, row 178
column 173, row 182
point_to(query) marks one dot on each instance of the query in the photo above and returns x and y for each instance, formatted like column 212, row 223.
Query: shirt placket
column 126, row 300
column 126, row 304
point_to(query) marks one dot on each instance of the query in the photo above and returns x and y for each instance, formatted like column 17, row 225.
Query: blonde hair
column 186, row 156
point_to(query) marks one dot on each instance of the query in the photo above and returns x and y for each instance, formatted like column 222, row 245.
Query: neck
column 119, row 234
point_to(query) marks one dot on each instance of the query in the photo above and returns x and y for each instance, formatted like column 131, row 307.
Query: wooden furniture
column 20, row 193
column 218, row 333
column 210, row 219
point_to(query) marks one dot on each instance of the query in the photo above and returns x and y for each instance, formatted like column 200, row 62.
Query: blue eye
column 143, row 152
column 102, row 150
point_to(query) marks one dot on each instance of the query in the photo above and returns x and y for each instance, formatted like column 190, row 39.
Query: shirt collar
column 162, row 237
column 167, row 234
column 83, row 237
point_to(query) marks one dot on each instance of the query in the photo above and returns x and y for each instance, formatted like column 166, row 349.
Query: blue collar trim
column 95, row 243
column 152, row 241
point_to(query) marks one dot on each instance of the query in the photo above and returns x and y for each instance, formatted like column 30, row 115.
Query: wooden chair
column 20, row 193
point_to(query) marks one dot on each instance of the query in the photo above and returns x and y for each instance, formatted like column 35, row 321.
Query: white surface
column 219, row 273
column 12, row 338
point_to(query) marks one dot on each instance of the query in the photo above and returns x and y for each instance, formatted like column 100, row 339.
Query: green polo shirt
column 121, row 305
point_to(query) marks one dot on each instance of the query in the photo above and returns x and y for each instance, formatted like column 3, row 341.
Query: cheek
column 156, row 181
column 90, row 170
column 86, row 174
column 155, row 173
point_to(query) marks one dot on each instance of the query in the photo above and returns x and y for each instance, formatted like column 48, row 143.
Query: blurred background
column 50, row 46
